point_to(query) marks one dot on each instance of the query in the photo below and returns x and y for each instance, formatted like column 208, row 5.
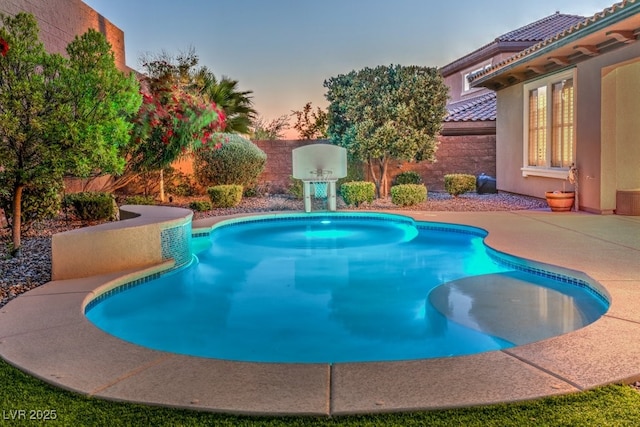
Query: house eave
column 600, row 34
column 484, row 53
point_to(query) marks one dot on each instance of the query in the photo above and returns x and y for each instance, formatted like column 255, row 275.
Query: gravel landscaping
column 32, row 267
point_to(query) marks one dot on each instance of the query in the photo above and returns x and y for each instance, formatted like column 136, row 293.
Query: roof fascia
column 546, row 50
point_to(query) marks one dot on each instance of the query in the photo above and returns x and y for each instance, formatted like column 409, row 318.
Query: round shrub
column 225, row 196
column 357, row 192
column 408, row 177
column 92, row 206
column 140, row 200
column 408, row 194
column 200, row 205
column 459, row 183
column 296, row 188
column 237, row 161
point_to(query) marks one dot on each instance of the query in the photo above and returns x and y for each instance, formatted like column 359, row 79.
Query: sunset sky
column 283, row 50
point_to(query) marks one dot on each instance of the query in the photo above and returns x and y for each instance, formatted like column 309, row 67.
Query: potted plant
column 563, row 201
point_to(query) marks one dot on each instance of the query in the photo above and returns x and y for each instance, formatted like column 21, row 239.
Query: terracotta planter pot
column 560, row 201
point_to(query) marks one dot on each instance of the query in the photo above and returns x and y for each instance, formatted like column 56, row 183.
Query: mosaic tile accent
column 337, row 216
column 538, row 269
column 452, row 228
column 176, row 244
column 121, row 288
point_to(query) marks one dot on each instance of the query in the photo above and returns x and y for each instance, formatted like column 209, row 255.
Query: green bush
column 225, row 196
column 38, row 203
column 459, row 183
column 355, row 172
column 237, row 161
column 357, row 192
column 179, row 183
column 296, row 188
column 254, row 191
column 200, row 205
column 92, row 206
column 140, row 200
column 408, row 177
column 408, row 194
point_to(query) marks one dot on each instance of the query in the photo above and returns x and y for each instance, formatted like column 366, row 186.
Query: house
column 468, row 136
column 474, row 107
column 572, row 98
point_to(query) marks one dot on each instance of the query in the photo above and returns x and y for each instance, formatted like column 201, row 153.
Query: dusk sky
column 283, row 50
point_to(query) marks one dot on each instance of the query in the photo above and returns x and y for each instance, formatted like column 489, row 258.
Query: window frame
column 547, row 171
column 466, row 88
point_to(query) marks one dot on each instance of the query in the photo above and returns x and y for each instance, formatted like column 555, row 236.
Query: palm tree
column 236, row 104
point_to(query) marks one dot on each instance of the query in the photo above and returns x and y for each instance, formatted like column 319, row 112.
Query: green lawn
column 615, row 405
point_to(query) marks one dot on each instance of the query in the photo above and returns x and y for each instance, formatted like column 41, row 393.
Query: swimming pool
column 339, row 287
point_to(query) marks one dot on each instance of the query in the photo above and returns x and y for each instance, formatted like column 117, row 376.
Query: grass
column 614, row 405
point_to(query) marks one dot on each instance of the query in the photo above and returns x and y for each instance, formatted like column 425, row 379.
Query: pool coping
column 45, row 333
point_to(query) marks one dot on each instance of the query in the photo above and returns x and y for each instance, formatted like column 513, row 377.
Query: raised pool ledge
column 146, row 236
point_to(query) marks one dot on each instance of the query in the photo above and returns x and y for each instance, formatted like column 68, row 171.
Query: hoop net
column 320, row 189
column 320, row 186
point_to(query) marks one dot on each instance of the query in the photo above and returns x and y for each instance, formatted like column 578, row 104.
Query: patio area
column 45, row 333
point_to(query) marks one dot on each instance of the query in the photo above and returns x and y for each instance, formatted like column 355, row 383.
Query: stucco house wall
column 607, row 129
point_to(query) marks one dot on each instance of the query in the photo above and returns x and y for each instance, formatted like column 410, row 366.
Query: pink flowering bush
column 169, row 124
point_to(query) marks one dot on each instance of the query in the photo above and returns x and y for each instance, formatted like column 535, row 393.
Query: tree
column 311, row 124
column 173, row 118
column 387, row 112
column 58, row 115
column 236, row 104
column 274, row 129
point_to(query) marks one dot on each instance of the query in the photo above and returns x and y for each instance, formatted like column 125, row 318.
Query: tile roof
column 479, row 108
column 623, row 7
column 542, row 29
column 517, row 39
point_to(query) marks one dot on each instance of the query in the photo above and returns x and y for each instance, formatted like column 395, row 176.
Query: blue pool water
column 344, row 288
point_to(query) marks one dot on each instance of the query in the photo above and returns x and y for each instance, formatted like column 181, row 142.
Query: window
column 549, row 126
column 465, row 77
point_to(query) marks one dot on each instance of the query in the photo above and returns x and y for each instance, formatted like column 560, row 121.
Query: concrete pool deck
column 45, row 333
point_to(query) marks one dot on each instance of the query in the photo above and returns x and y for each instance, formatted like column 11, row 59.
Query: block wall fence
column 471, row 154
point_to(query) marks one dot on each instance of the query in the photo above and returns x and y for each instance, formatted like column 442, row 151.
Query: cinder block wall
column 279, row 165
column 61, row 20
column 472, row 154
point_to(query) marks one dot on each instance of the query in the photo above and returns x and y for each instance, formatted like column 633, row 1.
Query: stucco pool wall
column 45, row 333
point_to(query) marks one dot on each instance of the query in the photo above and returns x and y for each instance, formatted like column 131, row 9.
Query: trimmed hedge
column 357, row 192
column 408, row 177
column 139, row 200
column 408, row 194
column 459, row 183
column 92, row 206
column 200, row 205
column 225, row 196
column 237, row 161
